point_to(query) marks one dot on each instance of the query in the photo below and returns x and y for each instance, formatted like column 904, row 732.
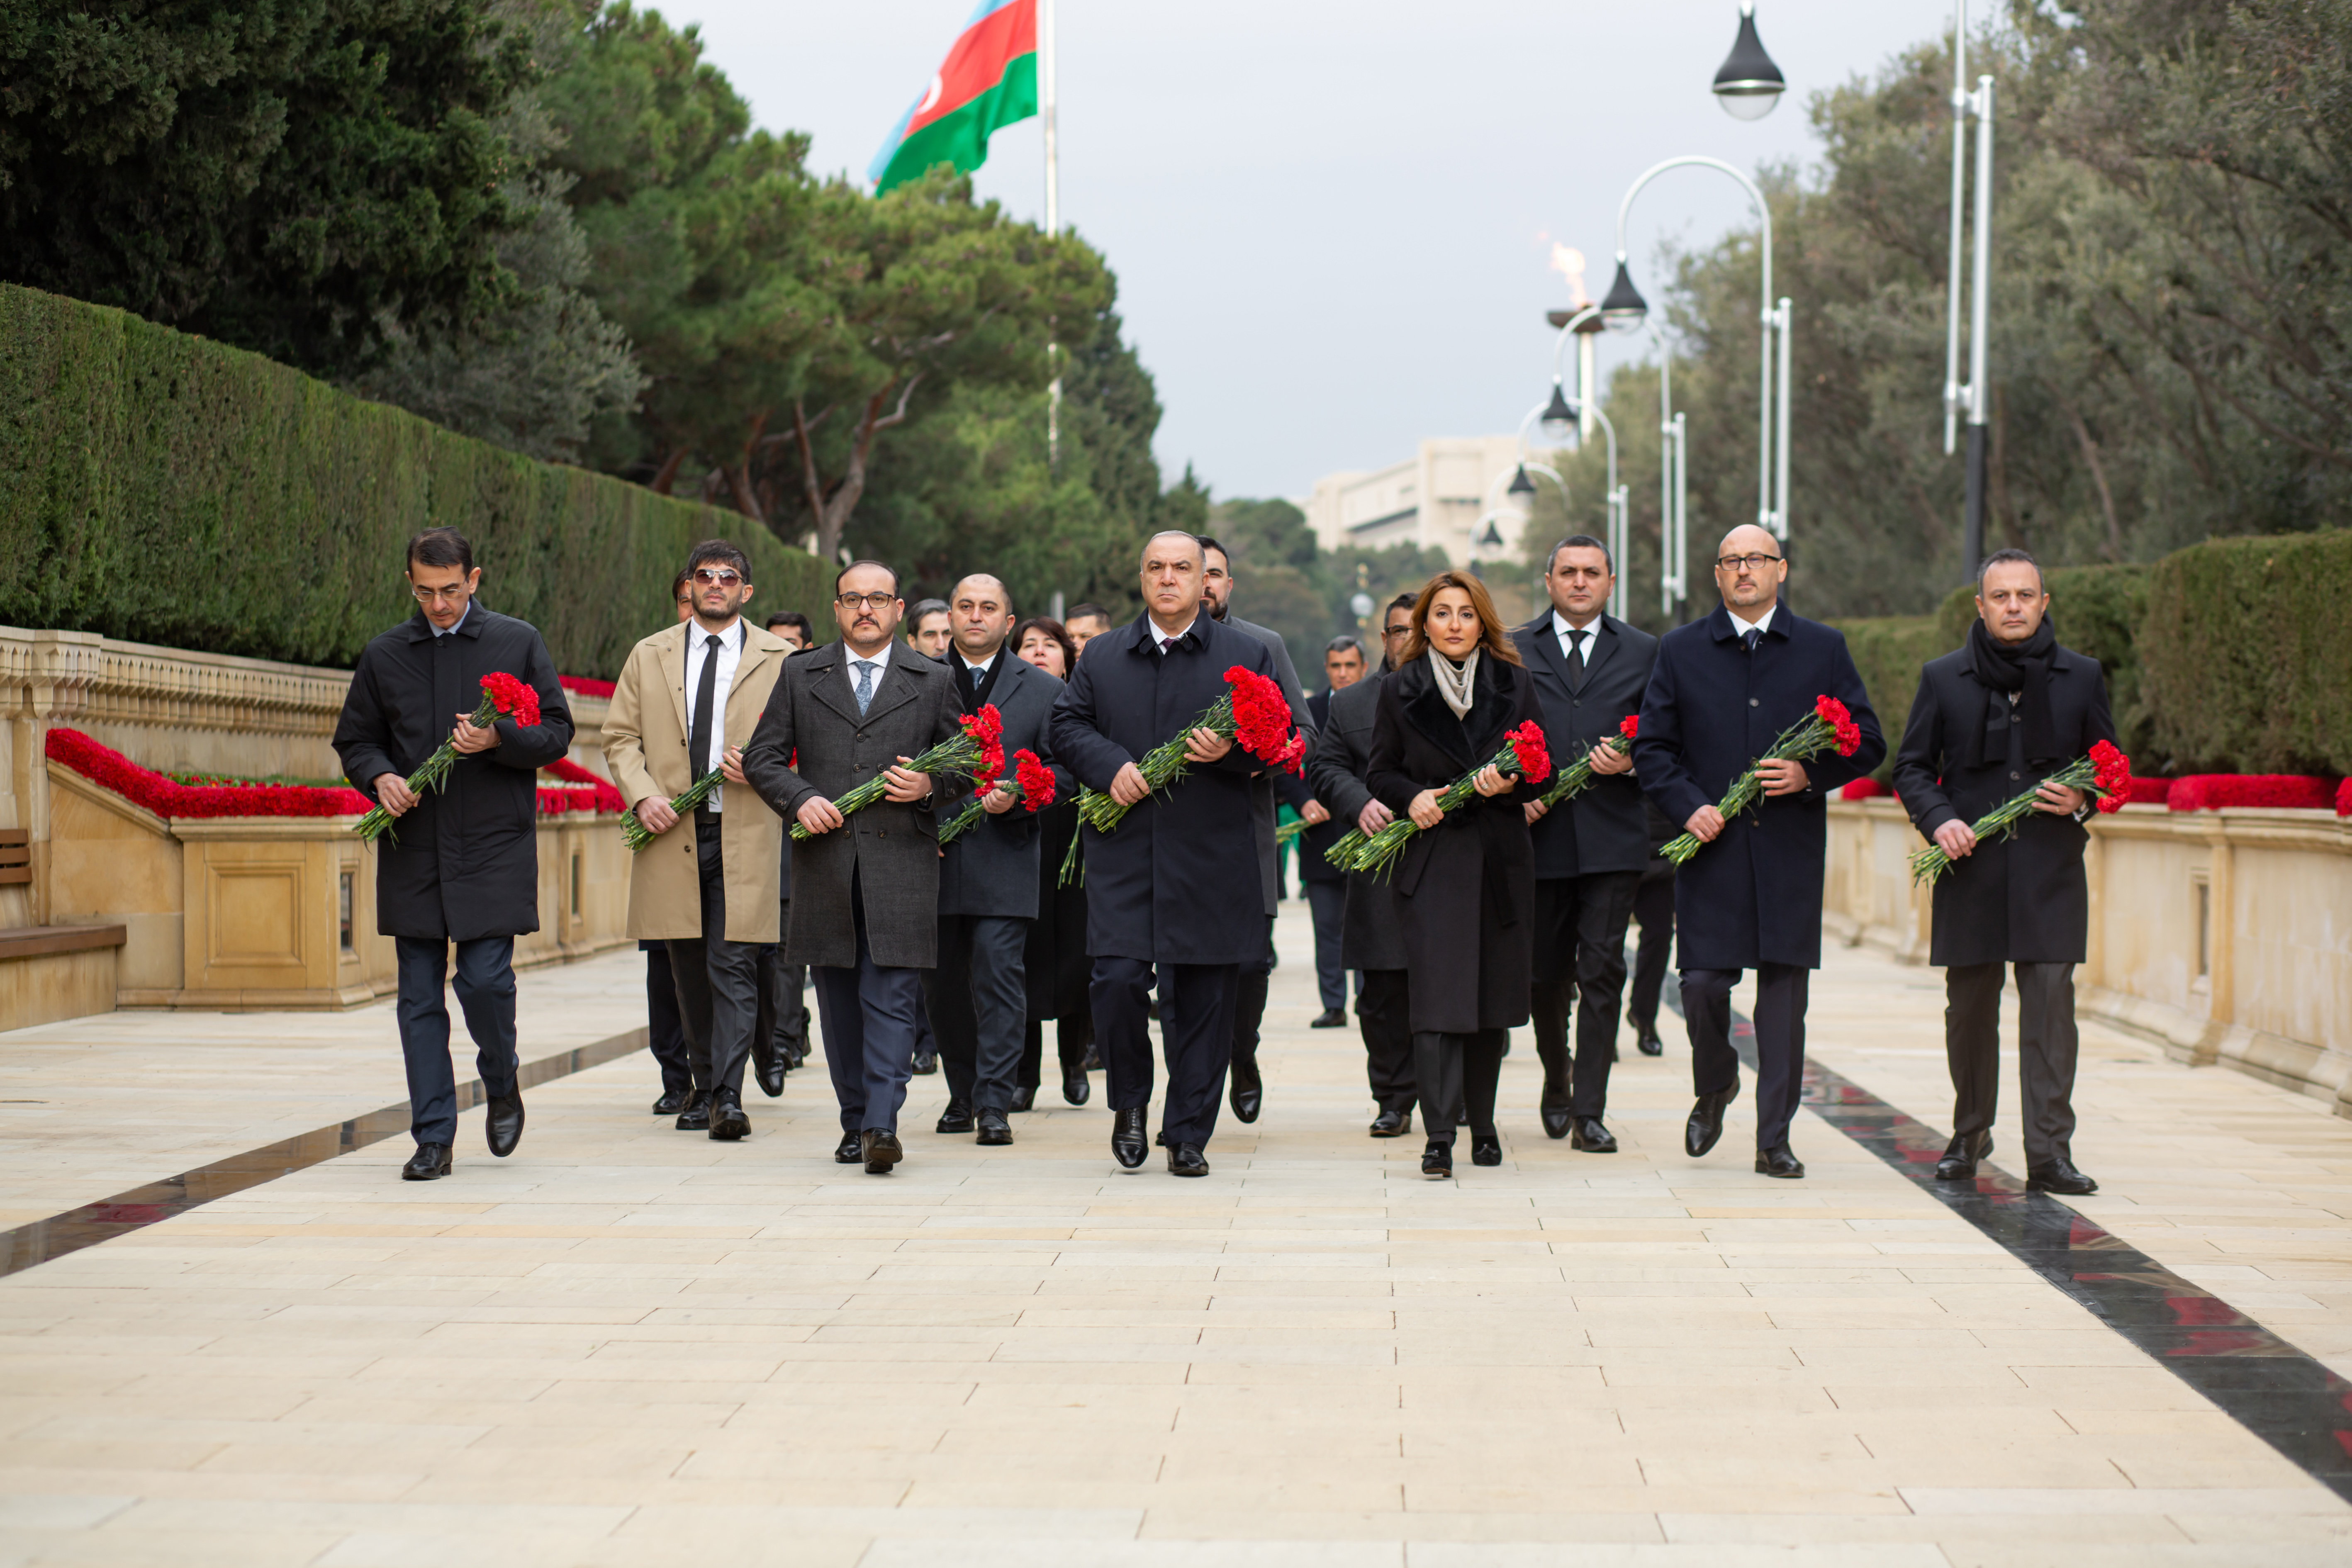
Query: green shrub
column 160, row 488
column 1888, row 650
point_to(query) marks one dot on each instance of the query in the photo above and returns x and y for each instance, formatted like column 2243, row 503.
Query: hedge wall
column 161, row 488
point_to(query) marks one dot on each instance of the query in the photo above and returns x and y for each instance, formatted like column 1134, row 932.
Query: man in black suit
column 1991, row 722
column 1591, row 671
column 1160, row 884
column 1751, row 897
column 1372, row 932
column 1326, row 885
column 978, row 997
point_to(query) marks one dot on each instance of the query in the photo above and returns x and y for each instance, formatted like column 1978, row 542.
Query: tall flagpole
column 1053, row 211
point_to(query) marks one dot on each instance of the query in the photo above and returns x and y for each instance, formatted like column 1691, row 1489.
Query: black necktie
column 697, row 744
column 1751, row 638
column 1575, row 661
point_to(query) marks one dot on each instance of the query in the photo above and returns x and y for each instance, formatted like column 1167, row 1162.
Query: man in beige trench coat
column 688, row 701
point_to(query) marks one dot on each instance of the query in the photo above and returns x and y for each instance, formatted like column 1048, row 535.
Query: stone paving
column 631, row 1345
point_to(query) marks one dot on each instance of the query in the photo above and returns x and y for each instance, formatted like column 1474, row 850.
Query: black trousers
column 868, row 1015
column 978, row 1001
column 1579, row 951
column 1654, row 911
column 1456, row 1075
column 1328, row 902
column 1073, row 1033
column 783, row 1015
column 2046, row 1047
column 1384, row 1017
column 1780, row 993
column 664, row 1036
column 718, row 980
column 1249, row 1000
column 486, row 992
column 1197, row 1003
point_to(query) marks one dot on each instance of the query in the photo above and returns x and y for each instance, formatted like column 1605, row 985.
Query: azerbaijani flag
column 990, row 79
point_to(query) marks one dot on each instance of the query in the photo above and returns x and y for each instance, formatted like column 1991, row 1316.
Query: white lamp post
column 1975, row 394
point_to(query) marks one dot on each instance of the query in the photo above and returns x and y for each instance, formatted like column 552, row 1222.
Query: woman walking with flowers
column 1463, row 862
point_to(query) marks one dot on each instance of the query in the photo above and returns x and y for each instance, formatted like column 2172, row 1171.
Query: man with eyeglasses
column 687, row 703
column 1751, row 897
column 461, row 864
column 865, row 886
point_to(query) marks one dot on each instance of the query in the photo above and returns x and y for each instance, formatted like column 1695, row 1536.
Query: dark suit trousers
column 1456, row 1075
column 783, row 1016
column 1197, row 1003
column 1328, row 903
column 1580, row 942
column 1249, row 1000
column 718, row 980
column 978, row 1002
column 1384, row 1017
column 1780, row 993
column 664, row 1036
column 2046, row 1044
column 1653, row 910
column 868, row 1015
column 1073, row 1033
column 486, row 992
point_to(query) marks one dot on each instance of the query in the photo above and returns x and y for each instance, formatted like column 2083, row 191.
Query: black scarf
column 2022, row 669
column 973, row 701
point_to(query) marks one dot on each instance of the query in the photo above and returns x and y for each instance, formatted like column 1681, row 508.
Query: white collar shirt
column 1166, row 641
column 730, row 654
column 1740, row 628
column 1573, row 640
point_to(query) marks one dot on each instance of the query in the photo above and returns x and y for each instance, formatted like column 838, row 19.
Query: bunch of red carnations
column 1828, row 727
column 1032, row 789
column 2105, row 775
column 1523, row 756
column 503, row 696
column 978, row 754
column 1574, row 777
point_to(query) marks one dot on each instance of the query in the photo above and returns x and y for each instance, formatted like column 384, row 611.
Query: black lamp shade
column 1520, row 484
column 1623, row 308
column 1748, row 83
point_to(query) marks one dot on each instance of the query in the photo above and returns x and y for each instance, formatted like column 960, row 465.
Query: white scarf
column 1456, row 687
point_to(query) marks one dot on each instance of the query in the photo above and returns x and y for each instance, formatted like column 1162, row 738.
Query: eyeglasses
column 865, row 601
column 1735, row 563
column 710, row 577
column 455, row 594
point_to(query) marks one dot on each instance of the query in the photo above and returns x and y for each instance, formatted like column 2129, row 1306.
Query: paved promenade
column 629, row 1345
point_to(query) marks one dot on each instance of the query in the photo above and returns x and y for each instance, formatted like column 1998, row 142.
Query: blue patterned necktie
column 865, row 685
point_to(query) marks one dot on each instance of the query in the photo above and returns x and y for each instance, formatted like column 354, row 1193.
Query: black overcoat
column 1312, row 841
column 1601, row 829
column 1467, row 887
column 2023, row 900
column 1371, row 930
column 1175, row 882
column 890, row 850
column 991, row 868
column 1753, row 895
column 463, row 863
column 1057, row 968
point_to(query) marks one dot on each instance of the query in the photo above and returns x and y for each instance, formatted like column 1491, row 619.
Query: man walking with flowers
column 1992, row 723
column 458, row 860
column 1728, row 692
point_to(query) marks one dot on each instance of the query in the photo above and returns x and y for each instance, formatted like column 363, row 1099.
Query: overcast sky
column 1331, row 223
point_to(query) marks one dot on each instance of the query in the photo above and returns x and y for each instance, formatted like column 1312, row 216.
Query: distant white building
column 1448, row 496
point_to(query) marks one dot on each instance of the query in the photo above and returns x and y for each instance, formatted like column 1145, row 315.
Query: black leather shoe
column 672, row 1101
column 795, row 1055
column 1024, row 1098
column 1555, row 1119
column 926, row 1063
column 2060, row 1177
column 1077, row 1089
column 1127, row 1144
column 696, row 1117
column 1185, row 1160
column 768, row 1067
column 429, row 1163
column 1159, row 1139
column 852, row 1149
column 994, row 1130
column 1960, row 1157
column 1780, row 1161
column 1392, row 1124
column 1437, row 1162
column 1486, row 1150
column 728, row 1122
column 1094, row 1062
column 956, row 1118
column 880, row 1146
column 1248, row 1095
column 504, row 1123
column 1649, row 1044
column 1330, row 1018
column 1706, row 1124
column 1593, row 1138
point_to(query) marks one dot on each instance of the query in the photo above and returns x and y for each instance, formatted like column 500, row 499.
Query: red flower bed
column 1864, row 789
column 165, row 797
column 2148, row 791
column 2215, row 792
column 2343, row 798
column 586, row 686
column 605, row 798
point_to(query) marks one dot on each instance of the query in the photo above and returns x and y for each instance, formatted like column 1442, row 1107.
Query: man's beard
column 1216, row 609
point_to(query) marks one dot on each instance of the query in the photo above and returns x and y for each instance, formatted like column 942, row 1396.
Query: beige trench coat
column 645, row 748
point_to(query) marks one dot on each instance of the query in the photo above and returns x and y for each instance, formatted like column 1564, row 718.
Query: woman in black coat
column 1057, row 956
column 1467, row 879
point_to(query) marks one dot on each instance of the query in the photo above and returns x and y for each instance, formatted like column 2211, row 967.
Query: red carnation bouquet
column 978, row 754
column 1523, row 756
column 2105, row 774
column 502, row 697
column 1828, row 727
column 1033, row 786
column 1574, row 777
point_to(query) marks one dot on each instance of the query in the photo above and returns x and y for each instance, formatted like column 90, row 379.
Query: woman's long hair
column 1492, row 635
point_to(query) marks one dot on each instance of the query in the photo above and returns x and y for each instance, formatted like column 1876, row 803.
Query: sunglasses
column 716, row 576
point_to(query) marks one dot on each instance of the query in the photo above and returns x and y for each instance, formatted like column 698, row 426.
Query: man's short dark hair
column 722, row 553
column 2009, row 558
column 854, row 565
column 1209, row 542
column 1402, row 602
column 1088, row 611
column 677, row 584
column 1579, row 541
column 1343, row 644
column 795, row 620
column 440, row 547
column 921, row 608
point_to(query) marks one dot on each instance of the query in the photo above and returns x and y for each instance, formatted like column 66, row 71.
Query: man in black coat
column 1724, row 688
column 1591, row 671
column 1325, row 885
column 978, row 997
column 460, row 864
column 1160, row 886
column 1654, row 911
column 1991, row 722
column 1371, row 930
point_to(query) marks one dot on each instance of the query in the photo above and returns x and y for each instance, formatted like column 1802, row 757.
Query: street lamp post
column 1673, row 491
column 1975, row 394
column 1615, row 510
column 1562, row 419
column 1749, row 84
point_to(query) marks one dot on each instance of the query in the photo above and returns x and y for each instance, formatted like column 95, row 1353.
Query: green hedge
column 1888, row 650
column 2246, row 650
column 162, row 488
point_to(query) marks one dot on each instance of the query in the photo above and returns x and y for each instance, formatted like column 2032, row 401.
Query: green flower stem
column 2002, row 821
column 959, row 755
column 636, row 834
column 432, row 777
column 1379, row 853
column 1800, row 742
column 1572, row 779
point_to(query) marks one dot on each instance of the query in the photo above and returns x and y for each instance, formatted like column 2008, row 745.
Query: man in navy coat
column 1751, row 897
column 1169, row 885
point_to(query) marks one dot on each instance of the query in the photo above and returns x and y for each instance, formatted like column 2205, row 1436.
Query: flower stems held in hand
column 977, row 753
column 2105, row 775
column 1523, row 756
column 1574, row 777
column 501, row 694
column 636, row 834
column 1033, row 788
column 1828, row 727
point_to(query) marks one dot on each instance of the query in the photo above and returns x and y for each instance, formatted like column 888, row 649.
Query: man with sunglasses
column 687, row 703
column 1723, row 687
column 460, row 864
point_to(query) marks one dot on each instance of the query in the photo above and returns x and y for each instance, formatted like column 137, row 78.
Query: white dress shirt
column 730, row 654
column 1569, row 637
column 980, row 671
column 1740, row 628
column 1163, row 640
